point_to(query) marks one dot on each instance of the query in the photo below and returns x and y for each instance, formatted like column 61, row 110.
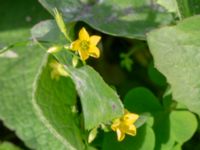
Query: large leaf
column 48, row 32
column 54, row 101
column 16, row 78
column 125, row 18
column 99, row 101
column 144, row 140
column 176, row 52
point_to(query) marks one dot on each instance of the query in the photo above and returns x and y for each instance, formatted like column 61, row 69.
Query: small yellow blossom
column 125, row 125
column 57, row 70
column 86, row 45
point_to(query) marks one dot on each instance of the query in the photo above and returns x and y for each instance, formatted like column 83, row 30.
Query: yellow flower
column 57, row 70
column 125, row 125
column 86, row 45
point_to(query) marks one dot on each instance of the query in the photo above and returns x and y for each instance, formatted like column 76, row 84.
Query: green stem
column 184, row 9
column 4, row 49
column 67, row 37
column 39, row 44
column 133, row 50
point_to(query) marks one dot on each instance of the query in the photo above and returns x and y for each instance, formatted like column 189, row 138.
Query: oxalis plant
column 55, row 96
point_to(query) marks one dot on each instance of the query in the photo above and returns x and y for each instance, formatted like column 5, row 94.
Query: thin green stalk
column 4, row 49
column 183, row 9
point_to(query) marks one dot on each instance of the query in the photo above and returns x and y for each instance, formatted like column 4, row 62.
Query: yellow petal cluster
column 125, row 125
column 86, row 45
column 57, row 70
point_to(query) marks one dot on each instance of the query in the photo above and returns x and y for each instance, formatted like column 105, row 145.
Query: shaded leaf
column 141, row 100
column 127, row 18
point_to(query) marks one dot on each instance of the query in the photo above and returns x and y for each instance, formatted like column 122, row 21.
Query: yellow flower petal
column 83, row 54
column 94, row 52
column 75, row 45
column 120, row 135
column 115, row 124
column 83, row 35
column 130, row 118
column 94, row 40
column 131, row 130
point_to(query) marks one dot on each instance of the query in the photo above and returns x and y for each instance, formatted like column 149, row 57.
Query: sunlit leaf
column 176, row 51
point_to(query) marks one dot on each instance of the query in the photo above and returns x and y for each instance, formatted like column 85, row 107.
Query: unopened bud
column 75, row 61
column 54, row 49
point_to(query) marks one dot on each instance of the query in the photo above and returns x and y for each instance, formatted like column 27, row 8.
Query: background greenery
column 126, row 64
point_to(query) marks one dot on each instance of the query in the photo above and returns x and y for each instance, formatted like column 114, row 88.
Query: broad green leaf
column 48, row 31
column 8, row 146
column 183, row 125
column 141, row 100
column 176, row 52
column 144, row 140
column 16, row 79
column 125, row 18
column 54, row 101
column 99, row 101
